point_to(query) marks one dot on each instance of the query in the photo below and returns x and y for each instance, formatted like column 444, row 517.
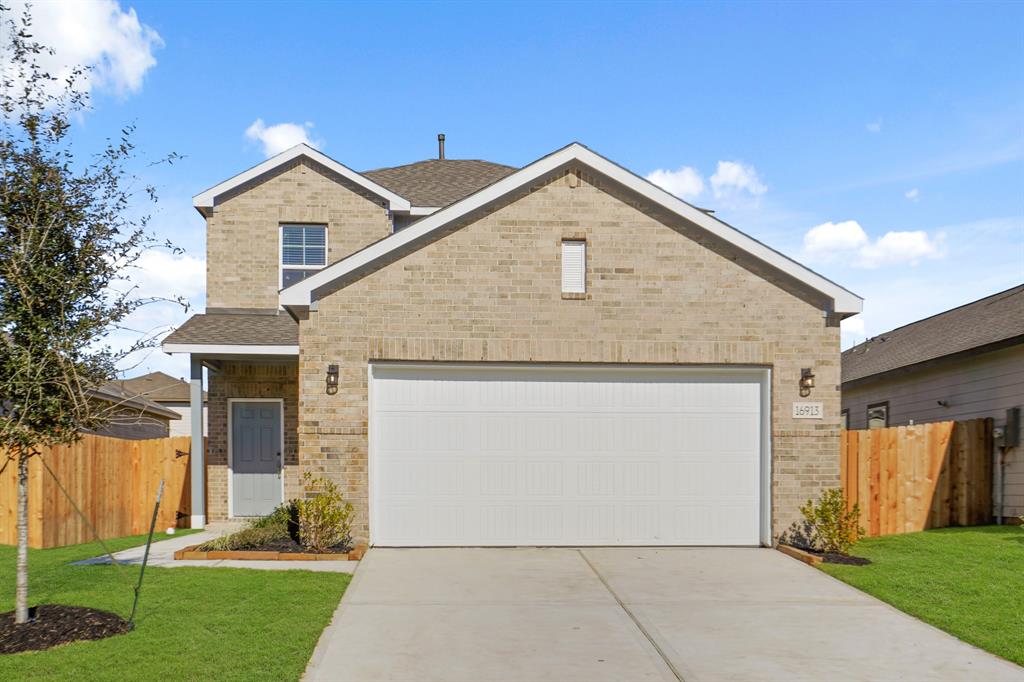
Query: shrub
column 247, row 538
column 325, row 519
column 833, row 527
column 283, row 515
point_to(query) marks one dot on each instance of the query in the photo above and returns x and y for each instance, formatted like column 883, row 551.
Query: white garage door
column 556, row 455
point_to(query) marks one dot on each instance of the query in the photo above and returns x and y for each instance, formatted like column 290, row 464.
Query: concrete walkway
column 479, row 615
column 161, row 554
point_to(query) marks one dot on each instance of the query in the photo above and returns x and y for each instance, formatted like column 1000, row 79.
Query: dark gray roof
column 996, row 318
column 113, row 392
column 158, row 387
column 439, row 182
column 238, row 329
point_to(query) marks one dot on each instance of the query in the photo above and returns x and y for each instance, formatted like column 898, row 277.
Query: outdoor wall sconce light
column 806, row 382
column 332, row 379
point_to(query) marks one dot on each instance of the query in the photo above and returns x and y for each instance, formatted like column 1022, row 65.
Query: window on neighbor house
column 844, row 419
column 878, row 416
column 303, row 252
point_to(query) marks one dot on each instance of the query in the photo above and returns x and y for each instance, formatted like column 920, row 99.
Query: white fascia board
column 423, row 210
column 227, row 349
column 207, row 198
column 301, row 294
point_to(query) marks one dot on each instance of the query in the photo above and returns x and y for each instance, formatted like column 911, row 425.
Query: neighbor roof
column 274, row 334
column 998, row 318
column 158, row 387
column 439, row 182
column 113, row 392
column 840, row 301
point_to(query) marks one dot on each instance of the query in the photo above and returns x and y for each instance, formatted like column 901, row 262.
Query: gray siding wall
column 980, row 386
column 183, row 426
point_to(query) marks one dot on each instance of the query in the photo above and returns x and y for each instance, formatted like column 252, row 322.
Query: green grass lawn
column 193, row 623
column 966, row 581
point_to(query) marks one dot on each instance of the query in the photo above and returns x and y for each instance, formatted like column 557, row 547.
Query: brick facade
column 248, row 380
column 491, row 292
column 243, row 234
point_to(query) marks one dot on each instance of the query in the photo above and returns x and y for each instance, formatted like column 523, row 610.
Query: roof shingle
column 992, row 319
column 439, row 182
column 158, row 387
column 239, row 329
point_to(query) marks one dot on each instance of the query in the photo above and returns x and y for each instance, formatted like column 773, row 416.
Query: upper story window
column 303, row 252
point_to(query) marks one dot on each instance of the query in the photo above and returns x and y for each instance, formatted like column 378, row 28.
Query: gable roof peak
column 205, row 201
column 840, row 301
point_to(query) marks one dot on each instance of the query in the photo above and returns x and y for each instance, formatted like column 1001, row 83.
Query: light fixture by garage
column 332, row 379
column 806, row 381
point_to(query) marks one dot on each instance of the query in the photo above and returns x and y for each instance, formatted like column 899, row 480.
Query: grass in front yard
column 193, row 623
column 966, row 581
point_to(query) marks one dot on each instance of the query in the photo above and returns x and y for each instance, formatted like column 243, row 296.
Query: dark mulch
column 56, row 624
column 287, row 545
column 833, row 558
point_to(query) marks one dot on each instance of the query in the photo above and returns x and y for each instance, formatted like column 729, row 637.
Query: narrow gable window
column 574, row 267
column 303, row 252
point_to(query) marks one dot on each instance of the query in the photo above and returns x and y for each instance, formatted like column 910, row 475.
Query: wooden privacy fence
column 113, row 481
column 909, row 478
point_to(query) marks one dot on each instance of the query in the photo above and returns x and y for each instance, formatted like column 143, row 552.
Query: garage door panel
column 499, row 456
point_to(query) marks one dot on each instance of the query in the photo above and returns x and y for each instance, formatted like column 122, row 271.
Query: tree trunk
column 21, row 606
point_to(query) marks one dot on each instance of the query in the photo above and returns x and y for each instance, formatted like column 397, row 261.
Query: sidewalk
column 161, row 554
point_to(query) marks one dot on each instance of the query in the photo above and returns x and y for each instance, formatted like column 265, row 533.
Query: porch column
column 198, row 459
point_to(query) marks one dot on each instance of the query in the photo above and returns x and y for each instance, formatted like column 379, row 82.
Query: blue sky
column 880, row 144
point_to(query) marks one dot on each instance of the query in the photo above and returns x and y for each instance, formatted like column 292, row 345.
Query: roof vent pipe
column 440, row 146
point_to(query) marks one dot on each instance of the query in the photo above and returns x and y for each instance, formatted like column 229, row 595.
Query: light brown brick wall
column 248, row 380
column 492, row 292
column 243, row 234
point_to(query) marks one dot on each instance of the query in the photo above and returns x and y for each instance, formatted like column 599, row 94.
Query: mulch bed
column 56, row 624
column 277, row 550
column 832, row 558
column 814, row 557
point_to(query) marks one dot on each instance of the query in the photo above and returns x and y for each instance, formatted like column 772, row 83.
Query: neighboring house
column 560, row 354
column 965, row 363
column 169, row 392
column 130, row 415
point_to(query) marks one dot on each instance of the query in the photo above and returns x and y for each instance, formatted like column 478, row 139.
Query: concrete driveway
column 518, row 615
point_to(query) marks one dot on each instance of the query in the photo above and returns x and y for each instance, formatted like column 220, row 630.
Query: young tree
column 68, row 240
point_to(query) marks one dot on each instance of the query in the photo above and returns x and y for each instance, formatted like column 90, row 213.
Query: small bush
column 325, row 519
column 833, row 527
column 283, row 515
column 247, row 538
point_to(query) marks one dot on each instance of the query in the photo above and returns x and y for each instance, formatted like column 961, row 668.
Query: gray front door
column 255, row 457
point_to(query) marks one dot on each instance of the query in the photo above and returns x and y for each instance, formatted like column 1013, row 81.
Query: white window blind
column 574, row 267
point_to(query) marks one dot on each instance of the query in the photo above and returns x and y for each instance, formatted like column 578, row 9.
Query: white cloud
column 98, row 34
column 912, row 194
column 685, row 182
column 736, row 182
column 874, row 126
column 277, row 138
column 159, row 273
column 828, row 240
column 902, row 247
column 848, row 240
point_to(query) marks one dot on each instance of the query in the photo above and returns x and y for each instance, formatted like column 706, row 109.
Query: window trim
column 281, row 267
column 871, row 406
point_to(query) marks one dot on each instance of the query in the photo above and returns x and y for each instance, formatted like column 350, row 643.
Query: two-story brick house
column 560, row 354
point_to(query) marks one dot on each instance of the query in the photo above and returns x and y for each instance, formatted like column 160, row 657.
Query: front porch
column 251, row 461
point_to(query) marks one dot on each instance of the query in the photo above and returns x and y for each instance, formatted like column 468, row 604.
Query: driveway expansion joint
column 636, row 621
